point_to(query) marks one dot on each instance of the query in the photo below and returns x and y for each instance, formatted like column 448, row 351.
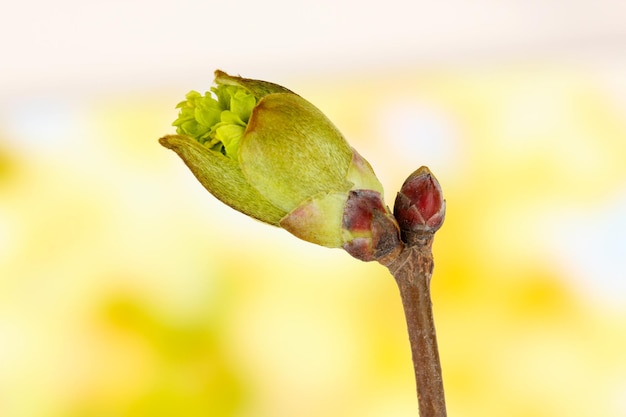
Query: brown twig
column 412, row 269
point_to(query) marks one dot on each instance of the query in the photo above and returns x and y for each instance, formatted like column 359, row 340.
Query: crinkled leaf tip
column 216, row 119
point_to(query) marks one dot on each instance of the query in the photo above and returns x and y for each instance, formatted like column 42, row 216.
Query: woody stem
column 412, row 269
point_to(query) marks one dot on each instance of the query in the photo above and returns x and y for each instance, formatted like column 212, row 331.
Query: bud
column 369, row 230
column 270, row 154
column 420, row 208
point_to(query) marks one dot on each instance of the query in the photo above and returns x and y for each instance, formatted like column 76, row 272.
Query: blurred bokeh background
column 127, row 290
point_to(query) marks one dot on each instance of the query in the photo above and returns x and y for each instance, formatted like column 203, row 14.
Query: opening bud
column 419, row 208
column 270, row 154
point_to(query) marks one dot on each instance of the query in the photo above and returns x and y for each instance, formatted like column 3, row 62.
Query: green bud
column 272, row 155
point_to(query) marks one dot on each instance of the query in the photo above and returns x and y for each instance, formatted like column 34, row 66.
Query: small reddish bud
column 369, row 229
column 420, row 208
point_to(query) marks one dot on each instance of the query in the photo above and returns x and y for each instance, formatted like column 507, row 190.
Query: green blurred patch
column 192, row 375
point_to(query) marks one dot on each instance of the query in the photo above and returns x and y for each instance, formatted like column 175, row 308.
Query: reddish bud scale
column 422, row 194
column 359, row 211
column 420, row 207
column 373, row 229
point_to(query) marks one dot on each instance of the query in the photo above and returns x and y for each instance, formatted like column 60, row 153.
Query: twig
column 412, row 269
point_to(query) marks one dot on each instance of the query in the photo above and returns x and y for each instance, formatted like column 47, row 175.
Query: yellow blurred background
column 127, row 290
